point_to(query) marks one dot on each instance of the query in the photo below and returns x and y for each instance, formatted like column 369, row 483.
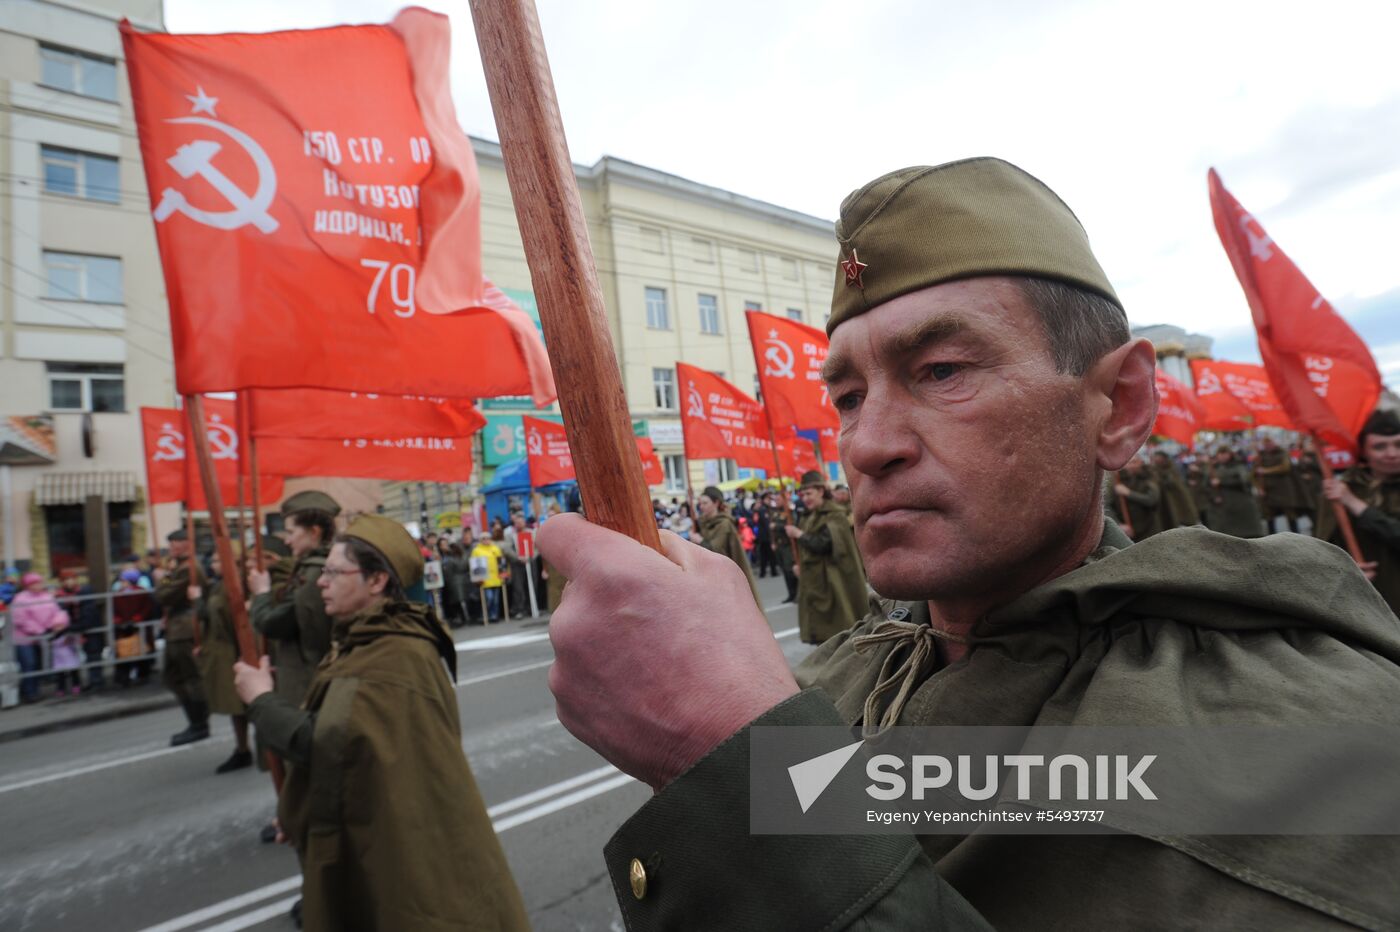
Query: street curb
column 92, row 718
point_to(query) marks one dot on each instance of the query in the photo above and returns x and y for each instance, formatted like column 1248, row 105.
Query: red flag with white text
column 790, row 355
column 406, row 459
column 1237, row 396
column 1325, row 376
column 550, row 461
column 720, row 422
column 328, row 415
column 317, row 213
column 1179, row 414
column 163, row 436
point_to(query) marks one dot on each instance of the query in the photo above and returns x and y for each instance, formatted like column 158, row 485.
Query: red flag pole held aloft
column 1338, row 509
column 233, row 586
column 562, row 270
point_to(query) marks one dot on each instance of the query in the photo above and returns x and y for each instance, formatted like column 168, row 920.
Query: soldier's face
column 812, row 498
column 1383, row 454
column 344, row 589
column 301, row 539
column 179, row 549
column 971, row 461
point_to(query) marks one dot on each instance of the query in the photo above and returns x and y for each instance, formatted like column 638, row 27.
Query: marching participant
column 179, row 671
column 719, row 532
column 831, row 591
column 379, row 801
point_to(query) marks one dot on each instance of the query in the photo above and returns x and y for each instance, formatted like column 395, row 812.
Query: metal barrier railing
column 108, row 651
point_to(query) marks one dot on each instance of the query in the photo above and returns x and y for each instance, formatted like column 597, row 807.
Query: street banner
column 163, row 435
column 1236, row 396
column 1179, row 413
column 789, row 356
column 405, row 459
column 1325, row 376
column 721, row 422
column 550, row 461
column 329, row 415
column 318, row 215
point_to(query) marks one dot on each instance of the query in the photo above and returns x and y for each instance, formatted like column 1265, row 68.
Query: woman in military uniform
column 379, row 801
column 719, row 532
column 831, row 591
column 1370, row 492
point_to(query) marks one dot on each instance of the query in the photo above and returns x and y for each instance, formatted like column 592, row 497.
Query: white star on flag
column 203, row 103
column 772, row 333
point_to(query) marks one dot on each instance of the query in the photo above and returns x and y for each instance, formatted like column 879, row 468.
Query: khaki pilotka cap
column 923, row 226
column 393, row 543
column 311, row 500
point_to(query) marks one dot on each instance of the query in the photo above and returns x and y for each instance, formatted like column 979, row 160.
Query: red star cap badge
column 853, row 267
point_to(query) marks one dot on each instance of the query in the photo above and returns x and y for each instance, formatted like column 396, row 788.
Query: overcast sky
column 1121, row 107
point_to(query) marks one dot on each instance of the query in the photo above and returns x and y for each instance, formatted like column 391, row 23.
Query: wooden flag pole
column 255, row 487
column 233, row 586
column 782, row 493
column 1338, row 509
column 240, row 428
column 196, row 576
column 547, row 205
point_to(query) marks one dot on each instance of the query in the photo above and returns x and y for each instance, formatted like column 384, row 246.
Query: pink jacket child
column 34, row 612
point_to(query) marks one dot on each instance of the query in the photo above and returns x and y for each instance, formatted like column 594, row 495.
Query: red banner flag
column 547, row 454
column 316, row 208
column 163, row 434
column 720, row 422
column 790, row 357
column 796, row 455
column 1323, row 373
column 1237, row 396
column 1179, row 414
column 327, row 415
column 831, row 451
column 407, row 459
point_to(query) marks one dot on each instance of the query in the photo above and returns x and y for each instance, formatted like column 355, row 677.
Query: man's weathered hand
column 657, row 660
column 252, row 682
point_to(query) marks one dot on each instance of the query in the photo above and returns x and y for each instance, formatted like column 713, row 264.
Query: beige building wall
column 654, row 230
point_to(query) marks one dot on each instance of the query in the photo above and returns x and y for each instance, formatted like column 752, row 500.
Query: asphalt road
column 106, row 827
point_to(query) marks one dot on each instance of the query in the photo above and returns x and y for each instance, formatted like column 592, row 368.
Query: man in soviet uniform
column 1283, row 497
column 1178, row 507
column 292, row 616
column 985, row 378
column 180, row 672
column 1232, row 508
column 218, row 649
column 379, row 800
column 1140, row 490
column 717, row 531
column 1370, row 492
column 831, row 592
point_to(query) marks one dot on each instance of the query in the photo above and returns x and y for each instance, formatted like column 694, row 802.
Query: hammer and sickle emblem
column 695, row 405
column 535, row 443
column 196, row 158
column 170, row 445
column 223, row 442
column 779, row 359
column 1209, row 384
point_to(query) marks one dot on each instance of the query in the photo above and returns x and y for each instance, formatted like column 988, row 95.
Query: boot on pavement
column 237, row 761
column 198, row 715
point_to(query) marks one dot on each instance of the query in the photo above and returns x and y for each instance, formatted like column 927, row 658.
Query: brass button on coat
column 638, row 874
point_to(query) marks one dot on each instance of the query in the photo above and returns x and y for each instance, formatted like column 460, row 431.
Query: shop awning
column 73, row 488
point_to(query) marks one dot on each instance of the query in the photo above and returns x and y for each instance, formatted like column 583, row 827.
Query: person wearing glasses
column 379, row 800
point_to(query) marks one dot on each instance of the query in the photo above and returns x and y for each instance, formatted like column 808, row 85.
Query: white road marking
column 598, row 782
column 104, row 765
column 503, row 640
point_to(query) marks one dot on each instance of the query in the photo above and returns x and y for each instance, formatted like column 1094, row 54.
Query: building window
column 76, row 277
column 86, row 387
column 709, row 313
column 728, row 470
column 748, row 260
column 753, row 305
column 790, row 269
column 663, row 385
column 80, row 174
column 674, row 464
column 78, row 72
column 757, row 388
column 704, row 250
column 658, row 317
column 795, row 313
column 652, row 240
column 66, row 526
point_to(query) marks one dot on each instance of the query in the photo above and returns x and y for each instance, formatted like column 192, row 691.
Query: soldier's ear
column 1122, row 395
